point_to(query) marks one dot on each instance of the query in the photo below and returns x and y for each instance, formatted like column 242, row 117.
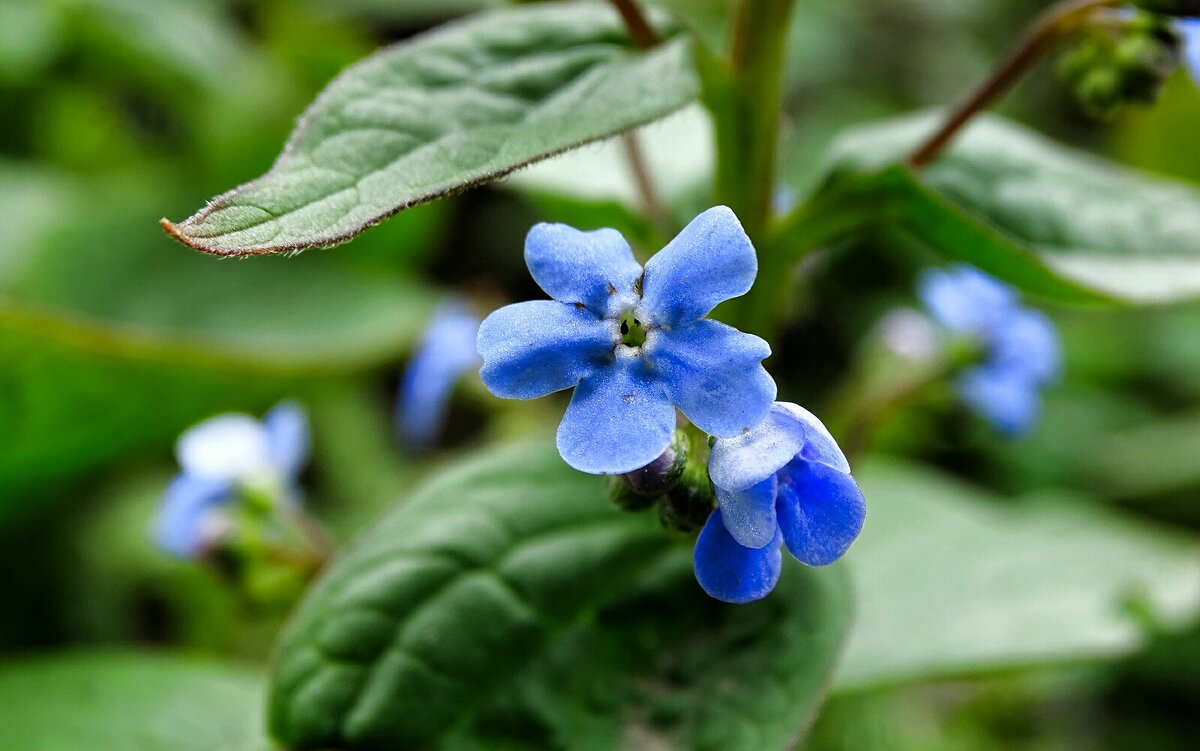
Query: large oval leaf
column 450, row 109
column 667, row 668
column 122, row 701
column 469, row 610
column 953, row 580
column 1050, row 219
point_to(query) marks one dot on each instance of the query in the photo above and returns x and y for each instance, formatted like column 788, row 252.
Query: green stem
column 746, row 108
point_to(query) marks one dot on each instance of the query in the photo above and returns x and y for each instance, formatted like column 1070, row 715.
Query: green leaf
column 450, row 109
column 668, row 668
column 486, row 608
column 120, row 701
column 118, row 348
column 1055, row 221
column 952, row 580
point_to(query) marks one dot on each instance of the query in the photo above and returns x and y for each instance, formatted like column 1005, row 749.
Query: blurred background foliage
column 113, row 339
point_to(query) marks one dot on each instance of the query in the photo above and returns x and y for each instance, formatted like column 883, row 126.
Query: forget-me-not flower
column 784, row 483
column 1022, row 352
column 446, row 351
column 633, row 343
column 215, row 458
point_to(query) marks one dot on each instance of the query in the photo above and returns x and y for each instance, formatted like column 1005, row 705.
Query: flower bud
column 1121, row 64
column 662, row 474
column 687, row 506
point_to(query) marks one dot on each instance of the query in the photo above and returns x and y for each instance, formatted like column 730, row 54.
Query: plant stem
column 652, row 205
column 645, row 37
column 1055, row 23
column 747, row 109
column 640, row 30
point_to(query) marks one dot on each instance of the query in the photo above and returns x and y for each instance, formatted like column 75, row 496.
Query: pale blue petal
column 531, row 349
column 1028, row 342
column 288, row 439
column 594, row 269
column 1189, row 28
column 819, row 445
column 225, row 447
column 731, row 572
column 788, row 430
column 1007, row 398
column 710, row 261
column 619, row 420
column 186, row 506
column 750, row 514
column 965, row 299
column 714, row 373
column 820, row 512
column 446, row 351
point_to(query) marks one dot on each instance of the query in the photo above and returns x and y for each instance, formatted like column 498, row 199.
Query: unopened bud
column 662, row 474
column 689, row 504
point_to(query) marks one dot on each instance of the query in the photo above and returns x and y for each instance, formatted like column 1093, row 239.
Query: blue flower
column 1022, row 352
column 218, row 455
column 632, row 342
column 1189, row 29
column 446, row 351
column 784, row 483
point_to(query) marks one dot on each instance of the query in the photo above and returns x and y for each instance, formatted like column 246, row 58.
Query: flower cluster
column 1022, row 353
column 634, row 343
column 220, row 459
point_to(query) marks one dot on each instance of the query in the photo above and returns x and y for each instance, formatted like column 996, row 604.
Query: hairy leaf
column 486, row 609
column 1055, row 221
column 453, row 108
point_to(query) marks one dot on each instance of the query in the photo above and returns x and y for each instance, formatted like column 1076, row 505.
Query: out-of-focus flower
column 785, row 483
column 446, row 351
column 1022, row 352
column 1189, row 30
column 633, row 343
column 218, row 458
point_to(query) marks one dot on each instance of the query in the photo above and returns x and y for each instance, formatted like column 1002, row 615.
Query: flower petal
column 750, row 514
column 787, row 430
column 819, row 444
column 709, row 262
column 288, row 440
column 445, row 353
column 595, row 269
column 965, row 299
column 714, row 373
column 1027, row 341
column 531, row 349
column 731, row 572
column 1007, row 398
column 187, row 503
column 820, row 512
column 224, row 447
column 619, row 419
column 1189, row 28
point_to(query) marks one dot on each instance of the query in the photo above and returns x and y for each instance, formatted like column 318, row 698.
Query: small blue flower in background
column 1022, row 352
column 784, row 483
column 633, row 343
column 1189, row 29
column 218, row 455
column 446, row 351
